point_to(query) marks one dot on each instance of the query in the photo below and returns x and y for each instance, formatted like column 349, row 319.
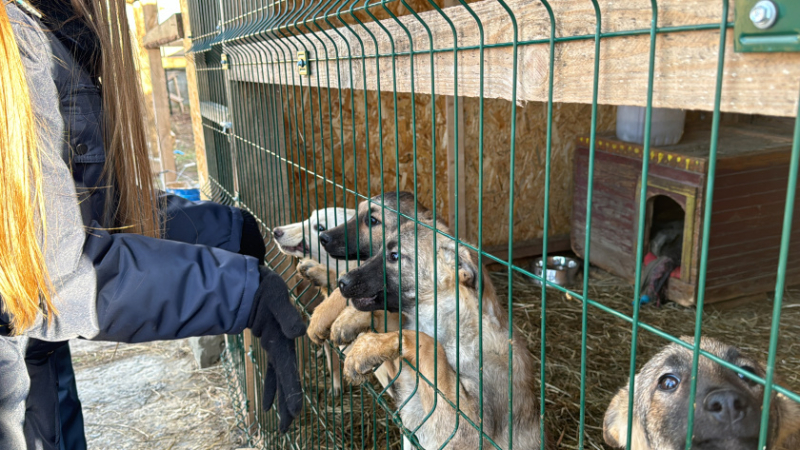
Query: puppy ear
column 615, row 422
column 467, row 269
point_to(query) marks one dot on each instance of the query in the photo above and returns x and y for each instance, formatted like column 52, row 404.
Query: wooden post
column 250, row 378
column 194, row 99
column 147, row 87
column 455, row 197
column 160, row 98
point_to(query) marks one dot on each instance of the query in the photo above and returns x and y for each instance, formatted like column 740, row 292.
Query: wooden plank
column 250, row 382
column 160, row 99
column 685, row 67
column 164, row 33
column 455, row 153
column 727, row 305
column 194, row 100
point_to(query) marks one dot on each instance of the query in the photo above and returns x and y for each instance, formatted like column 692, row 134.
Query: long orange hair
column 132, row 201
column 24, row 282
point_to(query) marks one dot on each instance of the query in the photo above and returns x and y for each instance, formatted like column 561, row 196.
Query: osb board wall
column 362, row 168
column 569, row 121
column 305, row 150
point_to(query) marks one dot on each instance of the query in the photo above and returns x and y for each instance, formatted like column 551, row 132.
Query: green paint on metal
column 781, row 36
column 276, row 151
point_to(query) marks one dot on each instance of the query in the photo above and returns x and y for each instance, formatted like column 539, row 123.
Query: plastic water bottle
column 667, row 127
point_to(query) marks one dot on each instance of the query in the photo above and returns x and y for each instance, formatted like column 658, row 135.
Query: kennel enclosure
column 477, row 107
column 752, row 172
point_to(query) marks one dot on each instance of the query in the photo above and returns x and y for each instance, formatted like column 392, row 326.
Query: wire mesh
column 314, row 104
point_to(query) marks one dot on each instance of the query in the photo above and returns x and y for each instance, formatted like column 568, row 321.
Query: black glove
column 277, row 323
column 252, row 241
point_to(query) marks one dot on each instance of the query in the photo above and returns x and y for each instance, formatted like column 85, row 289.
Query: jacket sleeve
column 131, row 288
column 205, row 223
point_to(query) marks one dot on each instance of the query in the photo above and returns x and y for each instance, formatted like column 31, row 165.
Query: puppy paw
column 319, row 327
column 368, row 353
column 349, row 325
column 313, row 271
column 317, row 331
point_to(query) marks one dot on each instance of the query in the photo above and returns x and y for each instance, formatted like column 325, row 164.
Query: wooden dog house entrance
column 749, row 196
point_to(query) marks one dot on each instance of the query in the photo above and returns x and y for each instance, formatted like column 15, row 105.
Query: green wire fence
column 309, row 104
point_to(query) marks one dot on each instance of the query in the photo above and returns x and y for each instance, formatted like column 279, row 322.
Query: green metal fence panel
column 310, row 104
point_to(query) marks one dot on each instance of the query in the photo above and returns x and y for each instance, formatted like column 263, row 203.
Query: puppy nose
column 343, row 283
column 726, row 406
column 277, row 232
column 324, row 238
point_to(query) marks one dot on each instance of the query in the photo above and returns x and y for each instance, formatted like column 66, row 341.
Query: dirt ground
column 152, row 396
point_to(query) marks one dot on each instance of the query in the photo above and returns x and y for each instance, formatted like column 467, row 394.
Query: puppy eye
column 668, row 383
column 320, row 228
column 394, row 256
column 371, row 221
column 744, row 378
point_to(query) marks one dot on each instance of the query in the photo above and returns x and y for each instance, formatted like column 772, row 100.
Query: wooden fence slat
column 685, row 69
column 166, row 32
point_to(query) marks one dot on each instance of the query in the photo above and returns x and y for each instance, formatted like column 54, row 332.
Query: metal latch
column 766, row 26
column 224, row 61
column 302, row 63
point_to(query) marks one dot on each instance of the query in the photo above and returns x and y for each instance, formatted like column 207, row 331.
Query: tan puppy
column 409, row 259
column 727, row 411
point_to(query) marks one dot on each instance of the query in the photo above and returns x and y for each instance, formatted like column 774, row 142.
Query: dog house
column 748, row 206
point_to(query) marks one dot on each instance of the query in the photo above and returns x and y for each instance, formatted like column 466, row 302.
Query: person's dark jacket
column 117, row 287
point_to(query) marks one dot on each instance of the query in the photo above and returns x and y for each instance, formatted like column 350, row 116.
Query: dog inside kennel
column 507, row 221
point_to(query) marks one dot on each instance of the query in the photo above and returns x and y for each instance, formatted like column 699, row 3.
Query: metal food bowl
column 561, row 270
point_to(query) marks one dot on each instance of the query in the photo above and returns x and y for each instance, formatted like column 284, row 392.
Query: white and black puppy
column 301, row 239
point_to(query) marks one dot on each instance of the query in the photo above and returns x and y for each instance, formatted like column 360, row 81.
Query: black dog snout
column 324, row 238
column 727, row 406
column 343, row 283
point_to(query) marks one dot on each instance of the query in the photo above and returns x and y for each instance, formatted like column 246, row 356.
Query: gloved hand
column 252, row 243
column 277, row 323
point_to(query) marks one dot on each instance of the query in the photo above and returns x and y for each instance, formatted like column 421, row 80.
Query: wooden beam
column 194, row 100
column 454, row 113
column 165, row 33
column 249, row 378
column 456, row 196
column 685, row 66
column 147, row 88
column 160, row 99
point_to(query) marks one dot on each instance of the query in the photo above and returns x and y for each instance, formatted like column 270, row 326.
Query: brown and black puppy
column 436, row 288
column 727, row 411
column 360, row 237
column 333, row 319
